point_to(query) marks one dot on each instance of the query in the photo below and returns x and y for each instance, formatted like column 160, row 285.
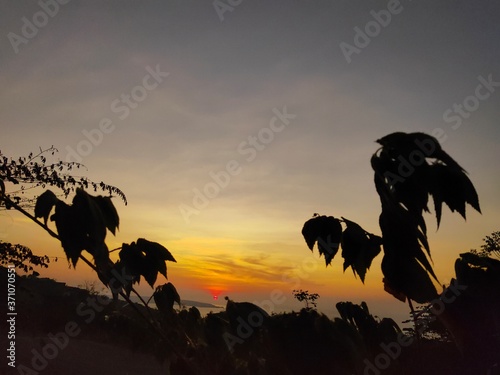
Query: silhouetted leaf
column 81, row 226
column 103, row 263
column 405, row 277
column 359, row 248
column 156, row 255
column 326, row 231
column 165, row 296
column 243, row 311
column 110, row 215
column 146, row 258
column 401, row 235
column 127, row 279
column 410, row 146
column 453, row 187
column 405, row 266
column 132, row 259
column 359, row 316
column 150, row 272
column 91, row 217
column 44, row 204
column 155, row 249
column 71, row 231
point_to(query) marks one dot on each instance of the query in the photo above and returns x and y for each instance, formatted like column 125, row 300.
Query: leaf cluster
column 491, row 246
column 21, row 257
column 359, row 247
column 165, row 296
column 81, row 225
column 143, row 258
column 304, row 296
column 372, row 331
column 36, row 170
column 409, row 168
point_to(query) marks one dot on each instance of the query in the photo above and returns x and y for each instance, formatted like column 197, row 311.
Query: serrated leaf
column 103, row 264
column 71, row 231
column 405, row 276
column 110, row 215
column 92, row 218
column 326, row 231
column 150, row 273
column 146, row 258
column 44, row 204
column 156, row 256
column 452, row 187
column 359, row 248
column 156, row 249
column 165, row 296
column 132, row 259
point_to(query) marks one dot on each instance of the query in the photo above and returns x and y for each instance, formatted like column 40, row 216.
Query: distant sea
column 203, row 307
column 378, row 310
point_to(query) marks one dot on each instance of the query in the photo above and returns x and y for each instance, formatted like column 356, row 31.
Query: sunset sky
column 286, row 98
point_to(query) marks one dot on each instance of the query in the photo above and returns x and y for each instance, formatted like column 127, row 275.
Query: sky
column 228, row 124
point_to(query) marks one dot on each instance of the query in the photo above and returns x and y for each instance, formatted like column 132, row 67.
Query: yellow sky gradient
column 251, row 260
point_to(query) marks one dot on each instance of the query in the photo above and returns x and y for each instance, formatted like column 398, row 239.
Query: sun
column 215, row 292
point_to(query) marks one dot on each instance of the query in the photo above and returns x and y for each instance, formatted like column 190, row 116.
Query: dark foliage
column 82, row 225
column 143, row 258
column 404, row 180
column 304, row 296
column 36, row 170
column 326, row 231
column 358, row 246
column 21, row 257
column 409, row 168
column 165, row 296
column 491, row 246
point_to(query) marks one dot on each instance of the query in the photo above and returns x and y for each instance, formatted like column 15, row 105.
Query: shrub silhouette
column 409, row 168
column 405, row 178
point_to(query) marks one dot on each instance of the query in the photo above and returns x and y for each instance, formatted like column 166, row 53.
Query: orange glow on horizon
column 246, row 265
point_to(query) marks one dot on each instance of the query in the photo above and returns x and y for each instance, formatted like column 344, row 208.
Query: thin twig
column 121, row 293
column 415, row 319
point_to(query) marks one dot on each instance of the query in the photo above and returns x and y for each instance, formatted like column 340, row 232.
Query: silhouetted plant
column 426, row 325
column 408, row 169
column 36, row 170
column 21, row 257
column 91, row 288
column 83, row 225
column 491, row 246
column 304, row 296
column 165, row 296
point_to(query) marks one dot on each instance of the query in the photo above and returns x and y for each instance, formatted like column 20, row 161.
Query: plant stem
column 415, row 318
column 156, row 329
